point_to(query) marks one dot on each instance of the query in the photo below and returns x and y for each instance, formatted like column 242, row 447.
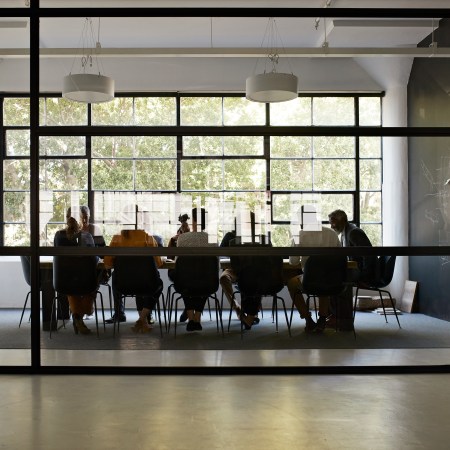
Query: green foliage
column 18, row 142
column 16, row 112
column 290, row 146
column 55, row 111
column 201, row 111
column 291, row 174
column 62, row 146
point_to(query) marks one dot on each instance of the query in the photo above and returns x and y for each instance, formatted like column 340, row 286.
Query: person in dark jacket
column 353, row 236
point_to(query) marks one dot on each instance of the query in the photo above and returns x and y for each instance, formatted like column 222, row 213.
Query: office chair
column 260, row 276
column 196, row 276
column 324, row 276
column 137, row 276
column 385, row 267
column 75, row 275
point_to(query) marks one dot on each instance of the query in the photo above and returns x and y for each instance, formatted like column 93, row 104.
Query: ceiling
column 193, row 45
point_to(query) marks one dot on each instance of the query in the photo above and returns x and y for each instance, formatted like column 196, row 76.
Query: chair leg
column 96, row 317
column 392, row 304
column 354, row 303
column 117, row 314
column 96, row 313
column 176, row 315
column 56, row 309
column 218, row 314
column 110, row 298
column 24, row 307
column 158, row 306
column 231, row 311
column 285, row 314
column 164, row 311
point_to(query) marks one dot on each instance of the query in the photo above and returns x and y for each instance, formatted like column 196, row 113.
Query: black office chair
column 26, row 268
column 260, row 276
column 137, row 276
column 324, row 276
column 75, row 275
column 384, row 273
column 196, row 276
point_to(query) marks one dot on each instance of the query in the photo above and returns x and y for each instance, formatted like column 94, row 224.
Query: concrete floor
column 231, row 412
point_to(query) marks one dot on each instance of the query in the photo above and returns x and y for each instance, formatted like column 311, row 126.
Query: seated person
column 353, row 236
column 144, row 305
column 72, row 235
column 184, row 228
column 316, row 236
column 193, row 305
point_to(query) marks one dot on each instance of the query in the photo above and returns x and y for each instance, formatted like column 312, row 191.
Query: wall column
column 393, row 75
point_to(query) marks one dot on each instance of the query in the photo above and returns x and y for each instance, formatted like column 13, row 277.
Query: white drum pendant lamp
column 88, row 88
column 271, row 87
column 89, row 85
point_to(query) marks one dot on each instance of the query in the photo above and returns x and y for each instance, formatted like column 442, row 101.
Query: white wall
column 393, row 75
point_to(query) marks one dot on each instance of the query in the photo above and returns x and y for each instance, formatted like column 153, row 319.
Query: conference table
column 48, row 292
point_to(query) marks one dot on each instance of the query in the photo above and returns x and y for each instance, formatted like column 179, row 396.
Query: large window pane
column 116, row 112
column 333, row 111
column 201, row 111
column 16, row 206
column 291, row 175
column 330, row 202
column 16, row 111
column 334, row 146
column 112, row 146
column 16, row 175
column 134, row 146
column 63, row 174
column 17, row 142
column 244, row 174
column 155, row 111
column 156, row 175
column 202, row 145
column 334, row 175
column 296, row 112
column 290, row 146
column 112, row 175
column 370, row 147
column 223, row 145
column 62, row 146
column 240, row 111
column 155, row 147
column 201, row 175
column 370, row 174
column 56, row 111
column 370, row 206
column 370, row 111
column 60, row 201
column 374, row 233
column 17, row 235
column 282, row 205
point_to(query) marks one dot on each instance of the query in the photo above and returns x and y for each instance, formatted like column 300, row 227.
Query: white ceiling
column 202, row 53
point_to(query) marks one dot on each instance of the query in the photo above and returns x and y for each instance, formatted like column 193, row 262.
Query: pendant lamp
column 88, row 86
column 271, row 86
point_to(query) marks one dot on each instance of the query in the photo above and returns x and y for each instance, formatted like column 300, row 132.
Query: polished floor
column 224, row 412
